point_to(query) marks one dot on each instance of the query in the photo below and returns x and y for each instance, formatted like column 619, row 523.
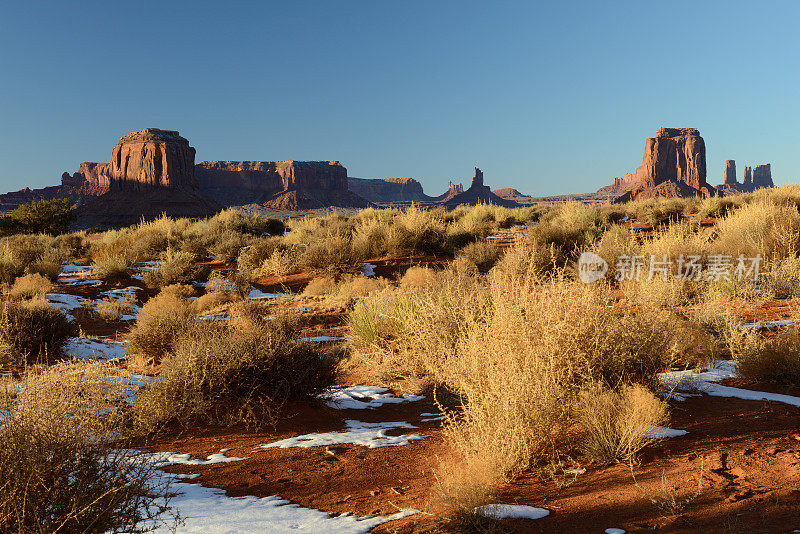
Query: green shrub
column 44, row 216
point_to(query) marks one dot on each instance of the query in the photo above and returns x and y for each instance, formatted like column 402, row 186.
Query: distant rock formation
column 513, row 195
column 730, row 172
column 152, row 158
column 754, row 178
column 674, row 155
column 762, row 176
column 388, row 189
column 478, row 193
column 151, row 173
column 278, row 184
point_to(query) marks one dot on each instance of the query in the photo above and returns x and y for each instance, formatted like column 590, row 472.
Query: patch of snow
column 256, row 293
column 659, row 432
column 704, row 382
column 512, row 511
column 431, row 419
column 211, row 318
column 371, row 435
column 614, row 530
column 769, row 324
column 65, row 302
column 210, row 511
column 163, row 459
column 85, row 349
column 185, row 476
column 368, row 269
column 364, row 397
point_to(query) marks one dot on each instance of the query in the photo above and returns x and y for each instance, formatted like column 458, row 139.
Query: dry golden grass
column 229, row 375
column 32, row 331
column 30, row 286
column 60, row 470
column 615, row 421
column 159, row 323
column 775, row 360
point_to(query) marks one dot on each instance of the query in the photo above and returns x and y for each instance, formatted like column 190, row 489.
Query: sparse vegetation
column 32, row 331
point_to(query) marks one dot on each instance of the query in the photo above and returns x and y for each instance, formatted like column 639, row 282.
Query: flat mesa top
column 154, row 134
column 677, row 132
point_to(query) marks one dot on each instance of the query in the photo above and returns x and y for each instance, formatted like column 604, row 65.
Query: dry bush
column 32, row 331
column 60, row 470
column 320, row 286
column 173, row 267
column 615, row 421
column 111, row 265
column 414, row 231
column 160, row 321
column 229, row 376
column 48, row 263
column 227, row 245
column 330, row 254
column 234, row 284
column 761, row 227
column 658, row 293
column 279, row 263
column 107, row 309
column 775, row 360
column 180, row 290
column 210, row 301
column 521, row 263
column 417, row 277
column 483, row 254
column 782, row 279
column 570, row 227
column 31, row 286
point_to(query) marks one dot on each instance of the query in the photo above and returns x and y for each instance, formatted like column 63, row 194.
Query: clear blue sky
column 548, row 97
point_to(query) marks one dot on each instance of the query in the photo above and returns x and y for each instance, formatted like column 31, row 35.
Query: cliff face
column 674, row 155
column 754, row 178
column 279, row 184
column 730, row 172
column 388, row 189
column 152, row 158
column 762, row 176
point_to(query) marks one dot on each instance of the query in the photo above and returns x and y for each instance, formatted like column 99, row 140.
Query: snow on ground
column 704, row 382
column 126, row 295
column 256, row 293
column 769, row 324
column 86, row 349
column 77, row 270
column 65, row 302
column 371, row 435
column 512, row 511
column 210, row 511
column 659, row 432
column 368, row 269
column 363, row 397
column 163, row 459
column 614, row 530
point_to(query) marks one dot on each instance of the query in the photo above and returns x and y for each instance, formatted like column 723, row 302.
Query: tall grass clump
column 761, row 227
column 31, row 286
column 61, row 469
column 173, row 267
column 229, row 375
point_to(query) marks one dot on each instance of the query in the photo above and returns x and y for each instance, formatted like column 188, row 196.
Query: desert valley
column 399, row 269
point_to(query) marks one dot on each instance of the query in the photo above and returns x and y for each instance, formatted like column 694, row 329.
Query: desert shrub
column 279, row 263
column 44, row 216
column 360, row 286
column 415, row 231
column 331, row 254
column 483, row 254
column 570, row 227
column 234, row 284
column 657, row 211
column 717, row 207
column 71, row 244
column 160, row 321
column 616, row 421
column 416, row 277
column 782, row 278
column 32, row 331
column 29, row 254
column 173, row 267
column 320, row 286
column 226, row 246
column 253, row 255
column 107, row 309
column 659, row 293
column 31, row 286
column 209, row 301
column 110, row 265
column 231, row 376
column 761, row 227
column 520, row 262
column 60, row 468
column 775, row 360
column 180, row 290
